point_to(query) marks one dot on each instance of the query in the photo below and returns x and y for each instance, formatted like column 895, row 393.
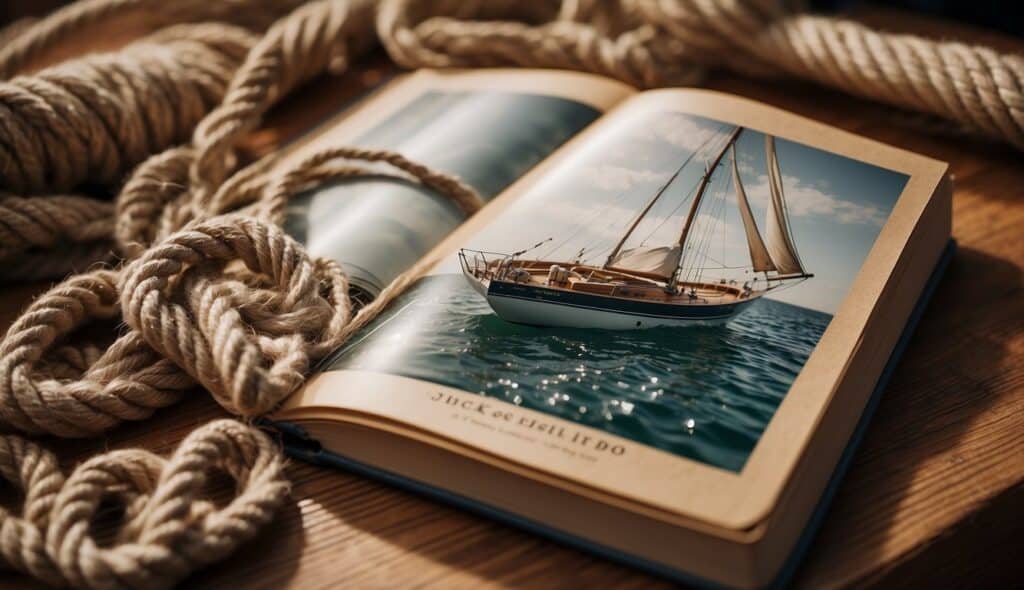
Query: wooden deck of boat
column 616, row 284
column 696, row 293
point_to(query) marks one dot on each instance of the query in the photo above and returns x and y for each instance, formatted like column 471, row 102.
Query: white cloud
column 803, row 200
column 678, row 130
column 619, row 178
column 745, row 168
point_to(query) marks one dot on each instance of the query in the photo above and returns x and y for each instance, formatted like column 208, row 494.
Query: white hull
column 543, row 313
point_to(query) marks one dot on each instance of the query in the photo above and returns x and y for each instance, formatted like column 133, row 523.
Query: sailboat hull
column 542, row 306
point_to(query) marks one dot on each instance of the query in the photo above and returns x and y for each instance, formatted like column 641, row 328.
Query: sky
column 837, row 205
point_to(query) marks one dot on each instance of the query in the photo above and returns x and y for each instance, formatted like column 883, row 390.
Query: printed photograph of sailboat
column 647, row 286
column 665, row 282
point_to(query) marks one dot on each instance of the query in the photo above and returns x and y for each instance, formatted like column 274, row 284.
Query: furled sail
column 758, row 253
column 659, row 260
column 779, row 239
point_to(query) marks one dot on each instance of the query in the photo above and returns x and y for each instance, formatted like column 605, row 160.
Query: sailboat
column 645, row 287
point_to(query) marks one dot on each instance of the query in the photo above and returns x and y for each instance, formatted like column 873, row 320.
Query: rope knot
column 239, row 306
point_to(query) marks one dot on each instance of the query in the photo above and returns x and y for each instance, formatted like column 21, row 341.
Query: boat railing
column 486, row 265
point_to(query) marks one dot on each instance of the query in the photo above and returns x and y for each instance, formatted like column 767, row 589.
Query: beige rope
column 671, row 41
column 318, row 36
column 93, row 118
column 169, row 527
column 247, row 334
column 126, row 381
column 203, row 329
column 176, row 186
column 31, row 229
column 213, row 293
column 90, row 120
column 35, row 38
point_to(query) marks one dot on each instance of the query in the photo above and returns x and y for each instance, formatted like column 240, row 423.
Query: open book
column 660, row 337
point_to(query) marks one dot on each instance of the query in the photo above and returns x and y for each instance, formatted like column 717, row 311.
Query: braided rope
column 31, row 228
column 213, row 293
column 673, row 41
column 35, row 38
column 205, row 332
column 92, row 119
column 246, row 334
column 38, row 393
column 170, row 528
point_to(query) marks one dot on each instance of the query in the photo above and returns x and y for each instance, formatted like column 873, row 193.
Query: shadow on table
column 469, row 549
column 269, row 560
column 915, row 445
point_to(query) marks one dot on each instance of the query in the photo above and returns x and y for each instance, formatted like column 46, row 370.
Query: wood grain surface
column 935, row 495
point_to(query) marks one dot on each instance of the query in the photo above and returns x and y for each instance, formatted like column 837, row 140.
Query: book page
column 488, row 128
column 633, row 315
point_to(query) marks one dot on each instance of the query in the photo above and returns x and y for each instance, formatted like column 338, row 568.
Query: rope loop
column 212, row 292
column 49, row 384
column 333, row 163
column 34, row 472
column 315, row 37
column 247, row 336
column 169, row 526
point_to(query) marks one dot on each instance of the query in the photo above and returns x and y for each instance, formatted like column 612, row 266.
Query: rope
column 34, row 39
column 190, row 255
column 169, row 527
column 662, row 42
column 38, row 392
column 94, row 118
column 91, row 120
column 32, row 228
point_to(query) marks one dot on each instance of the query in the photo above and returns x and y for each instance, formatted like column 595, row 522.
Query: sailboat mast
column 643, row 213
column 701, row 189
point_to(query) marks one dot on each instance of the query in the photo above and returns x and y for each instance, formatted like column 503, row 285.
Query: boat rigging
column 645, row 286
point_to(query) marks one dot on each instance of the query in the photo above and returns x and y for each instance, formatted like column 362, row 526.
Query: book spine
column 296, row 442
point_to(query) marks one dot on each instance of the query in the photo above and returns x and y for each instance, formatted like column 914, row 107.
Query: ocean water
column 706, row 393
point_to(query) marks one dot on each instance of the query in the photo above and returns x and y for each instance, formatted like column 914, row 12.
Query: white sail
column 779, row 239
column 758, row 253
column 658, row 260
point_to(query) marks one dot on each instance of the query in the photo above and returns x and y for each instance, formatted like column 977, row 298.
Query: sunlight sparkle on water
column 729, row 379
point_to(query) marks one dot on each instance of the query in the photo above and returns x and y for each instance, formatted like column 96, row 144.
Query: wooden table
column 935, row 496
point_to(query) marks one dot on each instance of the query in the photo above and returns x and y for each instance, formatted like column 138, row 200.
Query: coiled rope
column 190, row 255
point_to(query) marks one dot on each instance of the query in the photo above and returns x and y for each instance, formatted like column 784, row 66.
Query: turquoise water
column 706, row 393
